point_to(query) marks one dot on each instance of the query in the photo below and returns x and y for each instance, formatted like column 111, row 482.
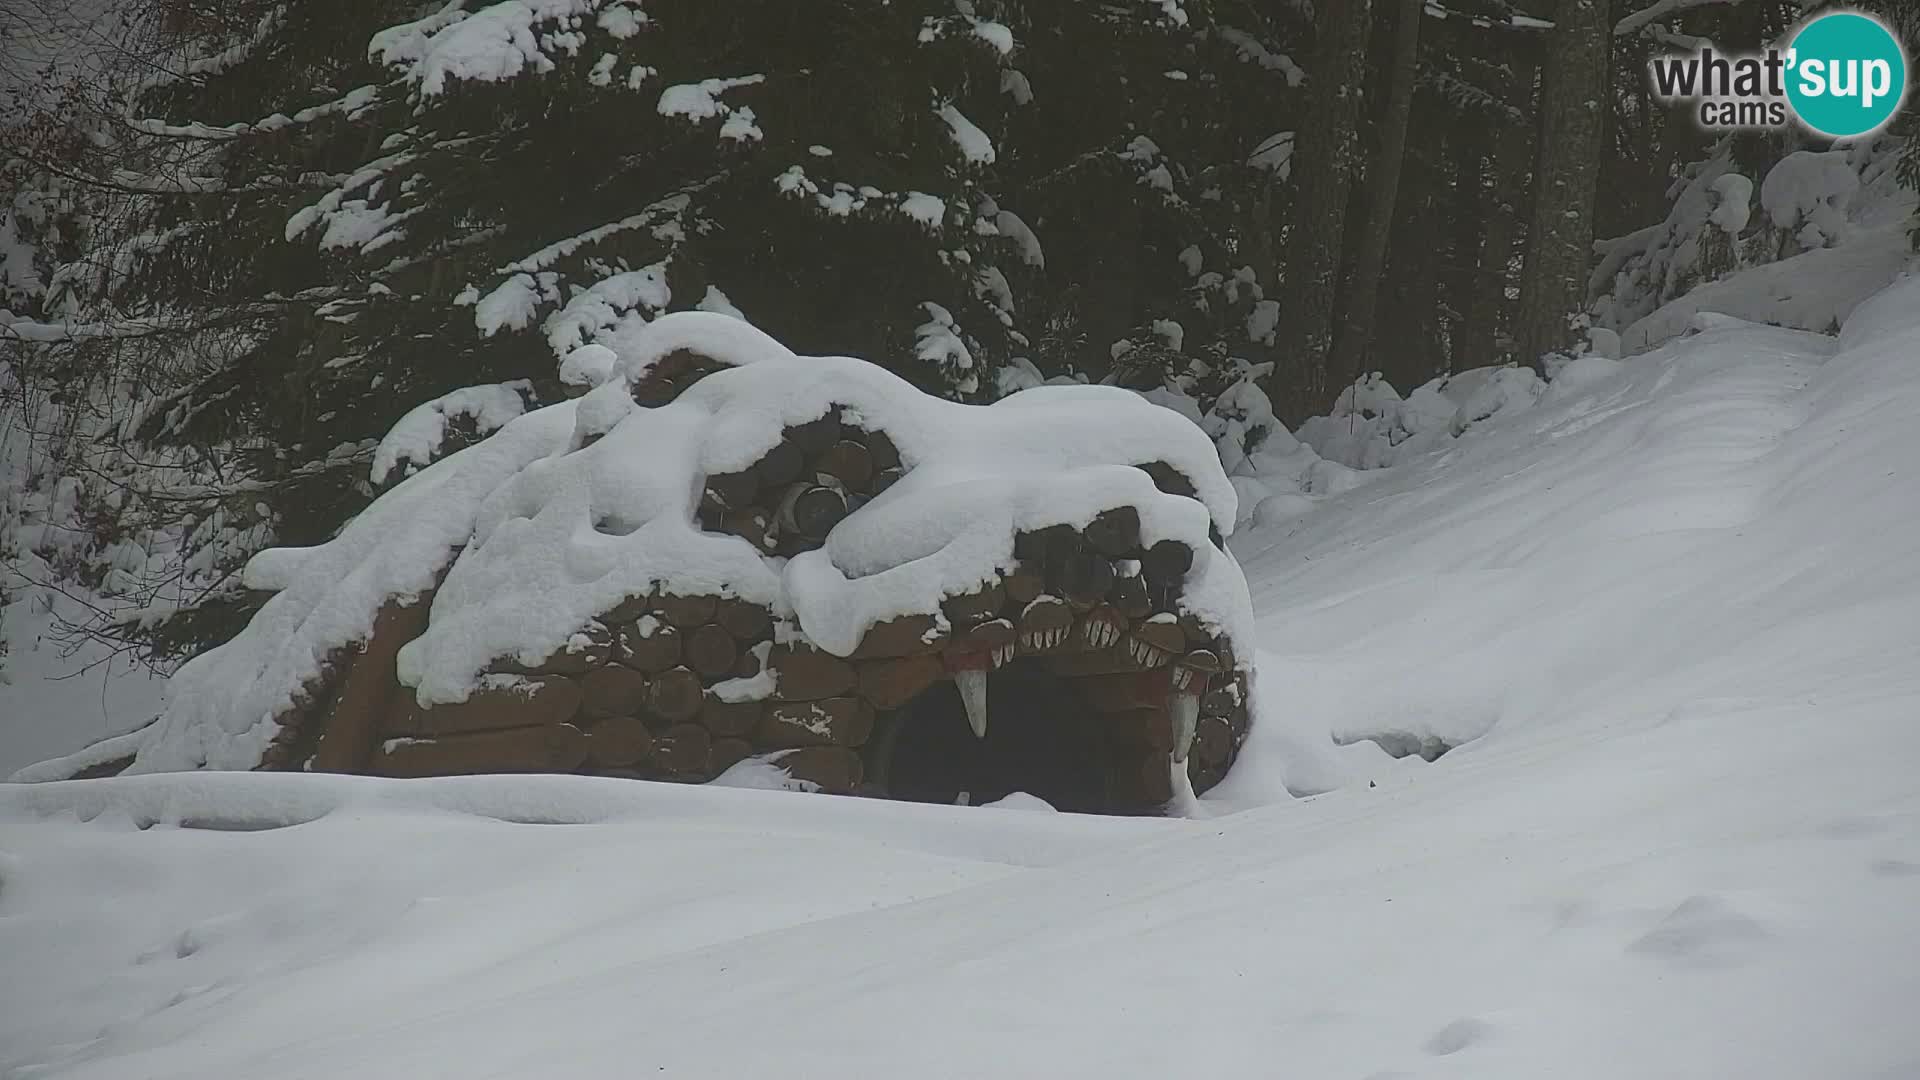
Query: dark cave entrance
column 1042, row 738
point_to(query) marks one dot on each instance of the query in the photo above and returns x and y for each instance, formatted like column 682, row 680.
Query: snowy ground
column 1666, row 616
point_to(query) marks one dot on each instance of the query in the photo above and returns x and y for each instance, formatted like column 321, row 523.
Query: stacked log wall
column 671, row 687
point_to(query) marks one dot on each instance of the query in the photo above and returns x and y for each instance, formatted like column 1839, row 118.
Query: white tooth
column 1184, row 709
column 973, row 695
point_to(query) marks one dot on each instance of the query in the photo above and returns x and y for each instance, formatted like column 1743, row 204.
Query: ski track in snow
column 1664, row 621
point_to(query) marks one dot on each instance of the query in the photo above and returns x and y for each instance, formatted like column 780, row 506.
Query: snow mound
column 567, row 511
column 1722, row 525
column 1832, row 230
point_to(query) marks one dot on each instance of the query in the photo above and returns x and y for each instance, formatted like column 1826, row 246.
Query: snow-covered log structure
column 720, row 551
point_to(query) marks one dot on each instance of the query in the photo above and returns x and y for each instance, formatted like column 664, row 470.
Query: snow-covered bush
column 1821, row 229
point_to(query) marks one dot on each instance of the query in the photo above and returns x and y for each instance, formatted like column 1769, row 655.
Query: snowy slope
column 1667, row 615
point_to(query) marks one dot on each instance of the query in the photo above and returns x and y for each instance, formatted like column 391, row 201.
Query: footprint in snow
column 1703, row 932
column 1843, row 827
column 1458, row 1035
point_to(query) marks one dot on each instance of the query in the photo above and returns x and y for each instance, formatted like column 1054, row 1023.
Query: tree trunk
column 1474, row 162
column 1327, row 153
column 1560, row 244
column 1511, row 163
column 1383, row 189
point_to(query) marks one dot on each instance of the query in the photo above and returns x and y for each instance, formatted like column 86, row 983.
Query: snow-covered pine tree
column 383, row 214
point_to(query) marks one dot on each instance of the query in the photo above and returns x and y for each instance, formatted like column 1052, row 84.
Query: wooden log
column 1043, row 626
column 749, row 663
column 541, row 748
column 753, row 525
column 1167, row 561
column 889, row 684
column 711, row 651
column 839, row 721
column 881, row 450
column 831, row 769
column 1225, row 697
column 902, row 635
column 1169, row 479
column 1213, row 740
column 671, row 374
column 734, row 491
column 686, row 612
column 1129, row 596
column 1204, row 777
column 1239, row 720
column 1085, row 578
column 1201, row 660
column 614, row 690
column 1102, row 627
column 1197, row 629
column 779, row 466
column 1162, row 632
column 683, row 749
column 529, row 701
column 848, row 462
column 1162, row 595
column 724, row 754
column 886, row 478
column 730, row 717
column 1024, row 583
column 811, row 510
column 711, row 515
column 675, row 695
column 369, row 692
column 746, row 621
column 968, row 610
column 628, row 610
column 1041, row 546
column 651, row 644
column 619, row 742
column 1115, row 532
column 986, row 637
column 815, row 436
column 584, row 651
column 804, row 673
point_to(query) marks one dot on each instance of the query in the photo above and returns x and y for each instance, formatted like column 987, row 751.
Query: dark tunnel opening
column 1042, row 738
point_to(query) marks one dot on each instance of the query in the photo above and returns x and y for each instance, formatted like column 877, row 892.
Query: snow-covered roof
column 569, row 510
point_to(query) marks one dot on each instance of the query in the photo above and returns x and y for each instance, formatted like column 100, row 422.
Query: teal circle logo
column 1846, row 74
